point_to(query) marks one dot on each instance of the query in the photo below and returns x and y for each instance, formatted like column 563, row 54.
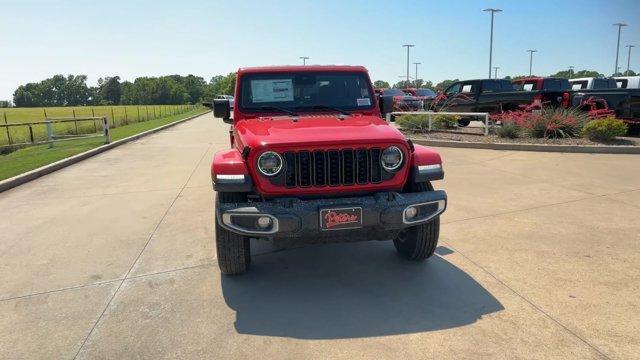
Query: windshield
column 317, row 91
column 425, row 92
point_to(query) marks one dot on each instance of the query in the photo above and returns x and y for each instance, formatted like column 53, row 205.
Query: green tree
column 444, row 84
column 109, row 90
column 403, row 84
column 381, row 84
column 568, row 74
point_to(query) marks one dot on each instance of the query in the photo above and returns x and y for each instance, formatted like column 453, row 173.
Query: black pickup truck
column 497, row 95
column 624, row 102
column 492, row 96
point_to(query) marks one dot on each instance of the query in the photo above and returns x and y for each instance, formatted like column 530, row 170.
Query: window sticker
column 364, row 102
column 276, row 90
column 528, row 87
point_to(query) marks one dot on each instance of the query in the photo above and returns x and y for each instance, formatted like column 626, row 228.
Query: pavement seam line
column 53, row 291
column 195, row 168
column 530, row 302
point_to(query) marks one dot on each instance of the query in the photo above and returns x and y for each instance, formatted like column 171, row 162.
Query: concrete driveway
column 114, row 257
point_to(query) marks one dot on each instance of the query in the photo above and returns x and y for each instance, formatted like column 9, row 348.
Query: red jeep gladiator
column 311, row 160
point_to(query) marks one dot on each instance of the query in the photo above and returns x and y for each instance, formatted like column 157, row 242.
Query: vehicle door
column 489, row 97
column 465, row 99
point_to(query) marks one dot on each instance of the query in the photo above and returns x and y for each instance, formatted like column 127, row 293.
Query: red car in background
column 421, row 93
column 397, row 100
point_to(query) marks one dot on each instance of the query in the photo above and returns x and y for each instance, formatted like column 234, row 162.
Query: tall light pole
column 493, row 11
column 570, row 72
column 304, row 59
column 408, row 46
column 629, row 58
column 416, row 78
column 619, row 25
column 495, row 71
column 531, row 51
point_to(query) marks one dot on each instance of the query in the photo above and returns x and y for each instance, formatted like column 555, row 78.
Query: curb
column 47, row 169
column 584, row 149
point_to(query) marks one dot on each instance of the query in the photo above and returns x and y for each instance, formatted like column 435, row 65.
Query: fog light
column 411, row 212
column 264, row 222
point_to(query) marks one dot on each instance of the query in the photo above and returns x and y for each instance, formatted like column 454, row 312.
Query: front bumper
column 383, row 215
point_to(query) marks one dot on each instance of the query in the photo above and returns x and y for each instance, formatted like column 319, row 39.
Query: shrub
column 554, row 123
column 509, row 130
column 413, row 122
column 444, row 121
column 604, row 129
column 421, row 122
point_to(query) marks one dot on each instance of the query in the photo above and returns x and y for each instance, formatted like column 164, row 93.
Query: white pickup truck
column 591, row 83
column 628, row 82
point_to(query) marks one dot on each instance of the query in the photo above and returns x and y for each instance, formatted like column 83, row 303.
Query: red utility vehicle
column 311, row 160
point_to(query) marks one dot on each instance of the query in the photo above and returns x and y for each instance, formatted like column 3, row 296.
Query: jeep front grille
column 332, row 167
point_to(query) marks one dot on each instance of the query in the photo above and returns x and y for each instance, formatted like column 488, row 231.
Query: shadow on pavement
column 352, row 290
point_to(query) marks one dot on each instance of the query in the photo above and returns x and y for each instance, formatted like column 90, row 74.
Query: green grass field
column 116, row 115
column 33, row 157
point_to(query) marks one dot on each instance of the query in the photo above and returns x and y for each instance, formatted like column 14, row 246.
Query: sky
column 151, row 38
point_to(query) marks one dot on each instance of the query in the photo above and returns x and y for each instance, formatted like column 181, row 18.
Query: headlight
column 391, row 158
column 270, row 163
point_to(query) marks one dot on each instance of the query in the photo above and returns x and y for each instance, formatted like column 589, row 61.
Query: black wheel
column 418, row 242
column 464, row 122
column 233, row 250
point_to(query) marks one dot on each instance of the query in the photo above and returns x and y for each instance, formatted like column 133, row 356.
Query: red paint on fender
column 425, row 156
column 228, row 162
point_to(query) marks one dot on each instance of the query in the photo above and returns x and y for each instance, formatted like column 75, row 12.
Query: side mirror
column 386, row 104
column 222, row 109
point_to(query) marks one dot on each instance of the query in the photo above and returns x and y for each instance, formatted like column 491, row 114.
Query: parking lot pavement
column 114, row 258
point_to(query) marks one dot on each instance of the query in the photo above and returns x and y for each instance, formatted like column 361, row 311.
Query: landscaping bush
column 604, row 129
column 444, row 121
column 554, row 123
column 509, row 130
column 413, row 122
column 421, row 122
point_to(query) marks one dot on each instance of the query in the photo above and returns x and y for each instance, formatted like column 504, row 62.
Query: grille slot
column 332, row 168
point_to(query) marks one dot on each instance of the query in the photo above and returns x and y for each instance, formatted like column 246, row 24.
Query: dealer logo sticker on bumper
column 340, row 219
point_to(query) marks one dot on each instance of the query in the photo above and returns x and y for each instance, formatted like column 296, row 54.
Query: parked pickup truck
column 311, row 160
column 592, row 83
column 492, row 96
column 628, row 82
column 624, row 101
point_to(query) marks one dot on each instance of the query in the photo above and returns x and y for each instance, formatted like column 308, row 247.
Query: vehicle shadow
column 352, row 290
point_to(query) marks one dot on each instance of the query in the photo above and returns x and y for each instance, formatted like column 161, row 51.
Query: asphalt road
column 114, row 258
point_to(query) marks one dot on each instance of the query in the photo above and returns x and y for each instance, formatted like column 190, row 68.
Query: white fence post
column 388, row 117
column 105, row 129
column 429, row 117
column 486, row 124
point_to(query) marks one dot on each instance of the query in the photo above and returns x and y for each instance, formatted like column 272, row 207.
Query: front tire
column 418, row 242
column 233, row 250
column 464, row 122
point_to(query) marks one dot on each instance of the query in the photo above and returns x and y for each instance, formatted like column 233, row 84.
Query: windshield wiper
column 286, row 111
column 325, row 107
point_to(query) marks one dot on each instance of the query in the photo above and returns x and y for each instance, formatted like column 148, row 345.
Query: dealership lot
column 539, row 257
